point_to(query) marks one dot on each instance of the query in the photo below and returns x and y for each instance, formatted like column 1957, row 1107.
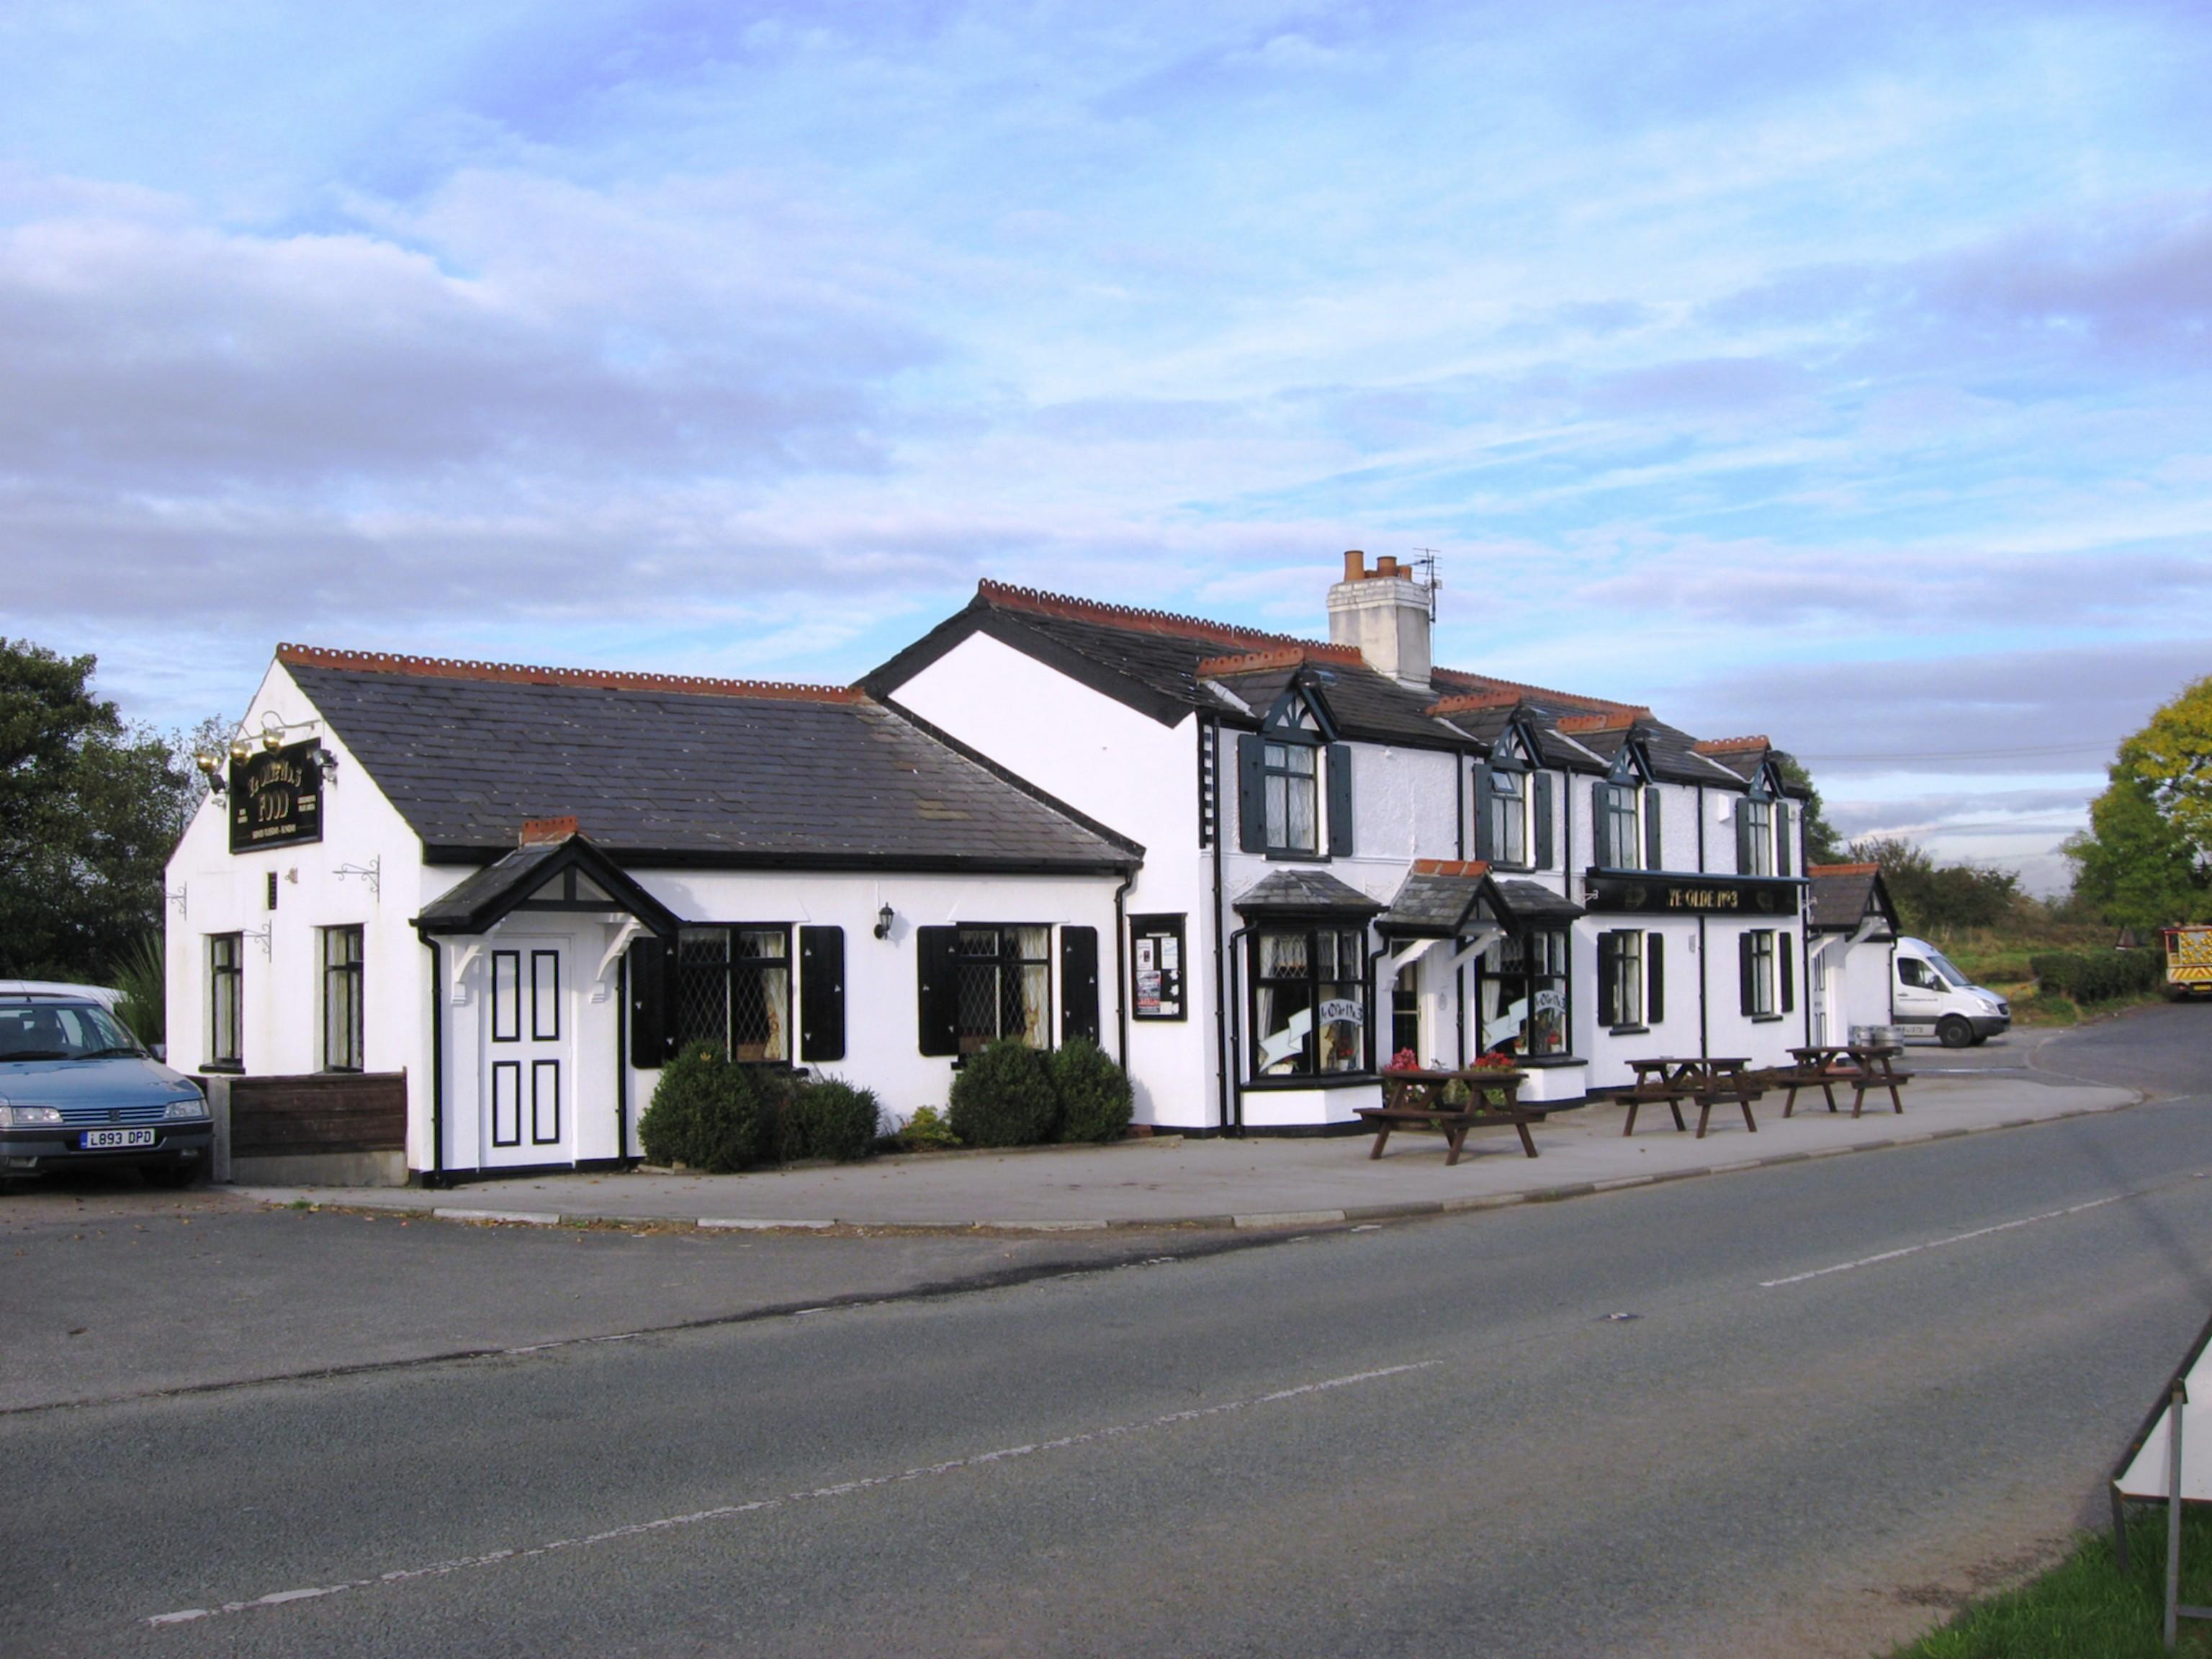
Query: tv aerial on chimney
column 1425, row 562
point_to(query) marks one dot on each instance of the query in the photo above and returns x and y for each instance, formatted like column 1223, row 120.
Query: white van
column 1930, row 998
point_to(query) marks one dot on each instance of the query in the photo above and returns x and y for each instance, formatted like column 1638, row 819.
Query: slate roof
column 657, row 770
column 1302, row 891
column 1841, row 894
column 1152, row 660
column 1439, row 897
column 1434, row 898
column 484, row 895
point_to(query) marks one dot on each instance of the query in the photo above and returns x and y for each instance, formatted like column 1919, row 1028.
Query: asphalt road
column 1845, row 1392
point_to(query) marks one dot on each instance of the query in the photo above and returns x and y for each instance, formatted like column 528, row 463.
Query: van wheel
column 1954, row 1032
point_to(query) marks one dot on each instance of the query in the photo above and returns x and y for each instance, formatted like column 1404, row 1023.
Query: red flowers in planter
column 1498, row 1061
column 1404, row 1061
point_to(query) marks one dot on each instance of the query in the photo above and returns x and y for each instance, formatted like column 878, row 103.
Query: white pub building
column 1253, row 867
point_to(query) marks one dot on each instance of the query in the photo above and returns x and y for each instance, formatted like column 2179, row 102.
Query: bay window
column 1309, row 1002
column 1524, row 999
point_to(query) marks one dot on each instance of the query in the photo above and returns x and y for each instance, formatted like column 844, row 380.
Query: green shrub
column 2098, row 975
column 926, row 1131
column 142, row 975
column 1095, row 1098
column 1003, row 1096
column 706, row 1114
column 831, row 1119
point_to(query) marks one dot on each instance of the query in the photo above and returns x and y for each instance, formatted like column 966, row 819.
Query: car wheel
column 172, row 1175
column 1953, row 1032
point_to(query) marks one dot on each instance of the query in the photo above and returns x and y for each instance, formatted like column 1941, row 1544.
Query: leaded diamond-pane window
column 733, row 990
column 1005, row 977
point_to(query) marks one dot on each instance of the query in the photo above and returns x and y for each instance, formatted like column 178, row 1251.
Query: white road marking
column 842, row 1489
column 1938, row 1243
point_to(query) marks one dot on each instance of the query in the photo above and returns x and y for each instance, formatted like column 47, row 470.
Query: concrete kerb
column 1347, row 1215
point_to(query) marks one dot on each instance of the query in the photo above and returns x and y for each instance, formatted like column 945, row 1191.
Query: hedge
column 1003, row 1096
column 712, row 1113
column 1095, row 1096
column 2098, row 975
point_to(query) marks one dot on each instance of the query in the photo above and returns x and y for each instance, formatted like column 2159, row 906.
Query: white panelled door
column 529, row 1086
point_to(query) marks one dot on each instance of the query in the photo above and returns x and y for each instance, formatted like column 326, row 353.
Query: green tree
column 1822, row 844
column 90, row 810
column 1937, row 898
column 2146, row 858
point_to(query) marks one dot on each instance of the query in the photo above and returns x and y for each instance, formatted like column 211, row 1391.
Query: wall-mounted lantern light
column 884, row 917
column 325, row 763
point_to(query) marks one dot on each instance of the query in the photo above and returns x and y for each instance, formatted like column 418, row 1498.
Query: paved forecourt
column 1172, row 1181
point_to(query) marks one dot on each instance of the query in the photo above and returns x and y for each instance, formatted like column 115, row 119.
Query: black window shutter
column 1601, row 847
column 822, row 993
column 1339, row 761
column 1785, row 962
column 1655, row 978
column 1608, row 985
column 1655, row 804
column 1079, row 983
column 1744, row 865
column 938, row 984
column 1483, row 838
column 1784, row 860
column 1251, row 793
column 1540, row 855
column 1743, row 964
column 651, row 1031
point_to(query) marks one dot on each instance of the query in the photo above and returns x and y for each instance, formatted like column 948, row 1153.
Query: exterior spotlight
column 884, row 917
column 325, row 763
column 272, row 730
column 211, row 764
column 241, row 750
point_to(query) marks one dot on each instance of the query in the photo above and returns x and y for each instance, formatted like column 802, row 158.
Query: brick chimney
column 1385, row 613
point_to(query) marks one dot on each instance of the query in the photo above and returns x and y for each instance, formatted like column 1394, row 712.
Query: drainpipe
column 622, row 1058
column 1704, row 1048
column 437, row 1066
column 1459, row 972
column 1236, row 1028
column 1211, row 732
column 1120, row 1002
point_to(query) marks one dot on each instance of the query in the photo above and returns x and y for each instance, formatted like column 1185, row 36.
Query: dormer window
column 1293, row 807
column 1765, row 834
column 1513, row 806
column 1626, row 818
column 1294, row 781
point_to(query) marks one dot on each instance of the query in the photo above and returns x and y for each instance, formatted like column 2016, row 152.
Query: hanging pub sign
column 275, row 798
column 1693, row 896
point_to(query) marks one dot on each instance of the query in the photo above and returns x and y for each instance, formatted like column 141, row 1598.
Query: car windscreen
column 1942, row 965
column 62, row 1030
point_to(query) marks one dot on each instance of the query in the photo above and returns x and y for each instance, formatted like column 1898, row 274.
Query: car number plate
column 94, row 1138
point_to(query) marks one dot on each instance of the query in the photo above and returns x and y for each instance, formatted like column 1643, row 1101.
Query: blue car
column 77, row 1091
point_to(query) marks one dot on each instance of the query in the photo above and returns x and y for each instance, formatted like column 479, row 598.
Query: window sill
column 1547, row 1062
column 1320, row 1080
column 1768, row 1019
column 1284, row 855
column 1628, row 1030
column 224, row 1068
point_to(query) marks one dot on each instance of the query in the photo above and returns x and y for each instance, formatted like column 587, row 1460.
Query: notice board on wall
column 1156, row 966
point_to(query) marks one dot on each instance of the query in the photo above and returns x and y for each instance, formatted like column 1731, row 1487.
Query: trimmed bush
column 831, row 1119
column 2098, row 975
column 1003, row 1096
column 1095, row 1098
column 706, row 1115
column 926, row 1131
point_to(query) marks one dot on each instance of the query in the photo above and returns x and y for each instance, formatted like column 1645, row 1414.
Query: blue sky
column 1840, row 373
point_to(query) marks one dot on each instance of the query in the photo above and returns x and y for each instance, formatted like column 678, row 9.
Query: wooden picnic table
column 1418, row 1097
column 1706, row 1079
column 1861, row 1065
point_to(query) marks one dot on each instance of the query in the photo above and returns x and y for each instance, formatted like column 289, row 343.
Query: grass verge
column 2086, row 1607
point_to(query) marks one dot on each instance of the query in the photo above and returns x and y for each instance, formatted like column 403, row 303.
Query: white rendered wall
column 212, row 891
column 1140, row 779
